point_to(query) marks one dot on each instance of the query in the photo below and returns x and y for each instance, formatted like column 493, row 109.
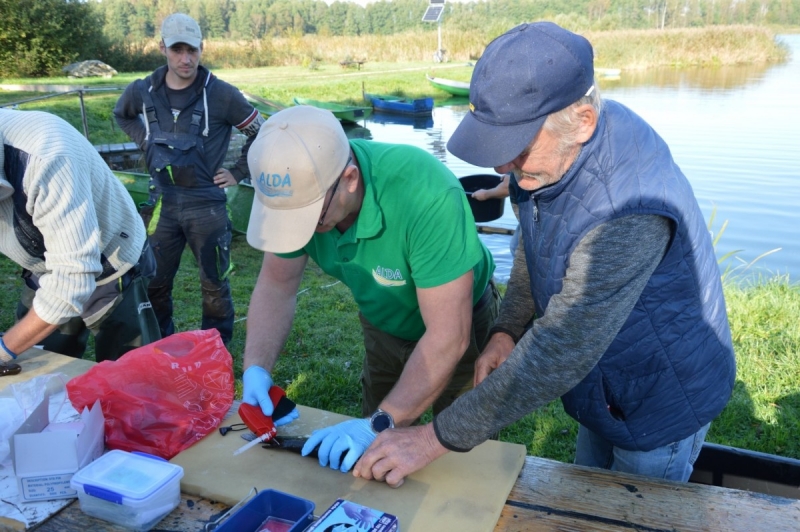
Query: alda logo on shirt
column 388, row 276
column 275, row 185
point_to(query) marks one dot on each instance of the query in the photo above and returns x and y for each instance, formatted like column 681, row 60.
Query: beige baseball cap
column 297, row 156
column 181, row 28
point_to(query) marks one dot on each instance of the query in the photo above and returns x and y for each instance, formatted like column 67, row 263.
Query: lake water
column 733, row 131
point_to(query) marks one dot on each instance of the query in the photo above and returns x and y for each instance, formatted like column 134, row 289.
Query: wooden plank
column 552, row 495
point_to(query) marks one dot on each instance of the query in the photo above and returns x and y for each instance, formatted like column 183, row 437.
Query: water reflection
column 729, row 128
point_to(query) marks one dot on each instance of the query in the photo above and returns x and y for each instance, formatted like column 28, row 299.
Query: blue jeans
column 673, row 461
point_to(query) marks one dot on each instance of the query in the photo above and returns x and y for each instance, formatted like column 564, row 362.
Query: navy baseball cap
column 524, row 75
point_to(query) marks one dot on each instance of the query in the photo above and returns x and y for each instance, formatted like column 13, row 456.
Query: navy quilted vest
column 671, row 368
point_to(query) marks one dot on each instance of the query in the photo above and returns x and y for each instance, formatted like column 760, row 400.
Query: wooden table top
column 554, row 496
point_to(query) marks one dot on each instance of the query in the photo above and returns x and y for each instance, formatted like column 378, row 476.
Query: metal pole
column 83, row 116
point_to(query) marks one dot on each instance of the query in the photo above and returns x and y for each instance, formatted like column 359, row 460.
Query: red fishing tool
column 262, row 426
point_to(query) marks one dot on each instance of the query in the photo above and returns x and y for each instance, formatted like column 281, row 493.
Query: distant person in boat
column 393, row 224
column 72, row 227
column 616, row 267
column 501, row 192
column 181, row 117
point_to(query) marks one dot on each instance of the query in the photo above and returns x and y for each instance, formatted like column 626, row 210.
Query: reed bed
column 625, row 49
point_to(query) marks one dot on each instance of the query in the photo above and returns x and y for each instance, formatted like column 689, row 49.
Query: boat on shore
column 401, row 106
column 456, row 88
column 346, row 113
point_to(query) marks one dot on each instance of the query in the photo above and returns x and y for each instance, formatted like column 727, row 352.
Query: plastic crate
column 266, row 504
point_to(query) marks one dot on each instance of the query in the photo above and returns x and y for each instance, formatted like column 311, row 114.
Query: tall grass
column 626, row 49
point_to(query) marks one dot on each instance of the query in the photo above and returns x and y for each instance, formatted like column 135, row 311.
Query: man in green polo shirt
column 393, row 224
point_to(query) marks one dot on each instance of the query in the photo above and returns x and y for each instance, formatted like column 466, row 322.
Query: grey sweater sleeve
column 516, row 308
column 607, row 272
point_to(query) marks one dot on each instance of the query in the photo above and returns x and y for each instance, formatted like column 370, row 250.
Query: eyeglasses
column 333, row 192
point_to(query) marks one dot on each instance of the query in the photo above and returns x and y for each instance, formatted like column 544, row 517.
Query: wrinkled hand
column 495, row 353
column 361, row 516
column 353, row 436
column 399, row 452
column 224, row 178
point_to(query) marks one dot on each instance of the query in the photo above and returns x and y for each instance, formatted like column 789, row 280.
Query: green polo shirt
column 415, row 230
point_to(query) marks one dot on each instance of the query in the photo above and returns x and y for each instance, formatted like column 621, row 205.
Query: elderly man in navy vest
column 617, row 272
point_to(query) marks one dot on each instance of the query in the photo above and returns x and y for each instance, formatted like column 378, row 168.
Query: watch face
column 381, row 421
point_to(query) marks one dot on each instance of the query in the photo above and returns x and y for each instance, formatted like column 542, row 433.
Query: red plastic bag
column 162, row 397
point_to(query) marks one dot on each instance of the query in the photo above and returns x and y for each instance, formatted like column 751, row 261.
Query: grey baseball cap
column 181, row 28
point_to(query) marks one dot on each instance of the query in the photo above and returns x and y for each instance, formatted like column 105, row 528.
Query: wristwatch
column 380, row 421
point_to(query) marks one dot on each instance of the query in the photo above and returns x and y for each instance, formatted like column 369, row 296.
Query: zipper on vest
column 175, row 114
column 535, row 208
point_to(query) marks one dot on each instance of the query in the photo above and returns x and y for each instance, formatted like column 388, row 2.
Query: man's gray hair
column 564, row 123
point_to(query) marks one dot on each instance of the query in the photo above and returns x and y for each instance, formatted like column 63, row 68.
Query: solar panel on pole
column 433, row 13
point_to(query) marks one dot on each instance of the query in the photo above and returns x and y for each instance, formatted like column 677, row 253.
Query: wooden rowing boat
column 456, row 88
column 346, row 113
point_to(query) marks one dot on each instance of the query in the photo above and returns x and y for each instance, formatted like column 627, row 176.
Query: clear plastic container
column 135, row 490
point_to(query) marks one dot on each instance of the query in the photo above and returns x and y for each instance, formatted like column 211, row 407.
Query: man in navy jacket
column 617, row 269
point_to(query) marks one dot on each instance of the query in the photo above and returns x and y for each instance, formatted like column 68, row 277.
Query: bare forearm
column 447, row 312
column 271, row 311
column 26, row 333
column 269, row 320
column 424, row 377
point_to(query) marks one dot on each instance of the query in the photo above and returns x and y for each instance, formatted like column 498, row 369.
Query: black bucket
column 487, row 210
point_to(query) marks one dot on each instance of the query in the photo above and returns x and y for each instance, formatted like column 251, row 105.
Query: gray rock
column 88, row 69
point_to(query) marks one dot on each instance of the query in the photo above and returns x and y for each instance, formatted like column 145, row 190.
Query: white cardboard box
column 46, row 455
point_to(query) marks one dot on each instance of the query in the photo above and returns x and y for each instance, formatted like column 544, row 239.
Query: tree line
column 38, row 37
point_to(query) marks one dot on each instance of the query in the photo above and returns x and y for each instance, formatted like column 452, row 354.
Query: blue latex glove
column 353, row 436
column 256, row 382
column 288, row 418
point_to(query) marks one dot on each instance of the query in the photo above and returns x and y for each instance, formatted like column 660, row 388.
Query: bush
column 39, row 38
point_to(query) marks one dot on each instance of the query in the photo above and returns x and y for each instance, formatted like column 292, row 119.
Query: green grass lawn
column 321, row 362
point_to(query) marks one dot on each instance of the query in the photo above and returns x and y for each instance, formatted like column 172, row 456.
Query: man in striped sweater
column 73, row 228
